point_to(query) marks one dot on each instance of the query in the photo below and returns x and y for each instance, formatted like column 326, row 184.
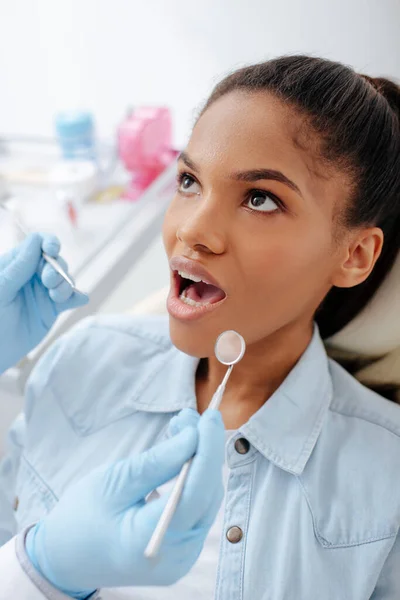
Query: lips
column 195, row 291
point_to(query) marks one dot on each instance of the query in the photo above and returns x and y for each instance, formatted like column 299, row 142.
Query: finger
column 75, row 301
column 51, row 245
column 186, row 418
column 205, row 474
column 62, row 293
column 22, row 266
column 133, row 479
column 50, row 277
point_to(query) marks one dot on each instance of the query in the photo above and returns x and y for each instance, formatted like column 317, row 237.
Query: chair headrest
column 376, row 330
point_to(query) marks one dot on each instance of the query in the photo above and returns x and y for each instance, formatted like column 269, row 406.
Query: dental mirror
column 229, row 347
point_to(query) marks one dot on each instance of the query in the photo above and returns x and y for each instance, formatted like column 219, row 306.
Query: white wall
column 108, row 54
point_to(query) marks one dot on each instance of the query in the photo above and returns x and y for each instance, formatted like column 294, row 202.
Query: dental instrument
column 229, row 350
column 49, row 259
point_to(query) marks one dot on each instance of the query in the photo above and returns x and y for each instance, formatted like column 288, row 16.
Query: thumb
column 187, row 417
column 24, row 261
column 131, row 480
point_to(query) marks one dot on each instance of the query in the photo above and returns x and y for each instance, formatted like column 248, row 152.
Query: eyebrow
column 248, row 176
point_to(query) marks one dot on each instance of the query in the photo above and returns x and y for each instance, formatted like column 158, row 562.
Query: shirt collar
column 285, row 429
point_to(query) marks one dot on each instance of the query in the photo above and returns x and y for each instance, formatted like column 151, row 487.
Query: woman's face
column 254, row 217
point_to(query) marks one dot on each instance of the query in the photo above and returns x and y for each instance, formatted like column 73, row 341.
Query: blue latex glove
column 185, row 418
column 97, row 533
column 32, row 295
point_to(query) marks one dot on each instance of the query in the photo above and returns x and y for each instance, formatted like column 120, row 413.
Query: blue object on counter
column 75, row 132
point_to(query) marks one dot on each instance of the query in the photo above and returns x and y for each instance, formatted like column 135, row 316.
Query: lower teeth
column 190, row 301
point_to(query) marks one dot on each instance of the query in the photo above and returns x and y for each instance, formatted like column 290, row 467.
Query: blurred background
column 97, row 96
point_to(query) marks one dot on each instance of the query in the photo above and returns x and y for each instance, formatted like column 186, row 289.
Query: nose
column 204, row 231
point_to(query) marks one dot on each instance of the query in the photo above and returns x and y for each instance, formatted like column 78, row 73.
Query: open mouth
column 195, row 292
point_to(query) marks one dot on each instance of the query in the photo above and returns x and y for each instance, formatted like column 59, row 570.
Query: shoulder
column 104, row 341
column 366, row 428
column 355, row 465
column 102, row 369
column 364, row 410
column 135, row 331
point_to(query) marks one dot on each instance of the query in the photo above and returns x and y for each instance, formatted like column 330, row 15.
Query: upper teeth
column 185, row 275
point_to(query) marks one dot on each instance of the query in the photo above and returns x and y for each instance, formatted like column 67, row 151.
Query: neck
column 255, row 378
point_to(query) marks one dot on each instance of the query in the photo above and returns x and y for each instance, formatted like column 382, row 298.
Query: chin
column 193, row 339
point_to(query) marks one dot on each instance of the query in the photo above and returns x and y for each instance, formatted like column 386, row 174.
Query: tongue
column 204, row 293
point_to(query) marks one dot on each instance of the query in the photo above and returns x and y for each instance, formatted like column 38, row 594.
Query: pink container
column 145, row 147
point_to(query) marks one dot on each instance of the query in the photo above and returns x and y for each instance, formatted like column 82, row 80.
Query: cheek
column 284, row 278
column 287, row 258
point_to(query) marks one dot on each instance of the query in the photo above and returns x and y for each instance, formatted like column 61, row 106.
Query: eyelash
column 281, row 206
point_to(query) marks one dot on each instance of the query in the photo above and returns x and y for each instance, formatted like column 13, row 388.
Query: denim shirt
column 317, row 494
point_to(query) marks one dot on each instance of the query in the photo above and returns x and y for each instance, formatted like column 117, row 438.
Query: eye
column 187, row 184
column 263, row 201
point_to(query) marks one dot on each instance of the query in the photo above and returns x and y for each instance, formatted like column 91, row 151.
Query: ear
column 361, row 253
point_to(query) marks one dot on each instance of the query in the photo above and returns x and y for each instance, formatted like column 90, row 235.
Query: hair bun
column 389, row 90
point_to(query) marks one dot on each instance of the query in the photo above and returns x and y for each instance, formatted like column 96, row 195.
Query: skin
column 275, row 262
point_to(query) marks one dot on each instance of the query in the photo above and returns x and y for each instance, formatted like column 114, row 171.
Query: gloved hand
column 97, row 534
column 32, row 295
column 185, row 418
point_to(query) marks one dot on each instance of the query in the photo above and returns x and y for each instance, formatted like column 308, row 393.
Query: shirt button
column 16, row 503
column 234, row 535
column 242, row 446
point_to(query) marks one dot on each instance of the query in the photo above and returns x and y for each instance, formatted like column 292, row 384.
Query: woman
column 287, row 212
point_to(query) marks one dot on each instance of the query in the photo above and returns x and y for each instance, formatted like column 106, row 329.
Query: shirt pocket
column 349, row 520
column 34, row 499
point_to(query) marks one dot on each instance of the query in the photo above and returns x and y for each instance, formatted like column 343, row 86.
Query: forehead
column 242, row 130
